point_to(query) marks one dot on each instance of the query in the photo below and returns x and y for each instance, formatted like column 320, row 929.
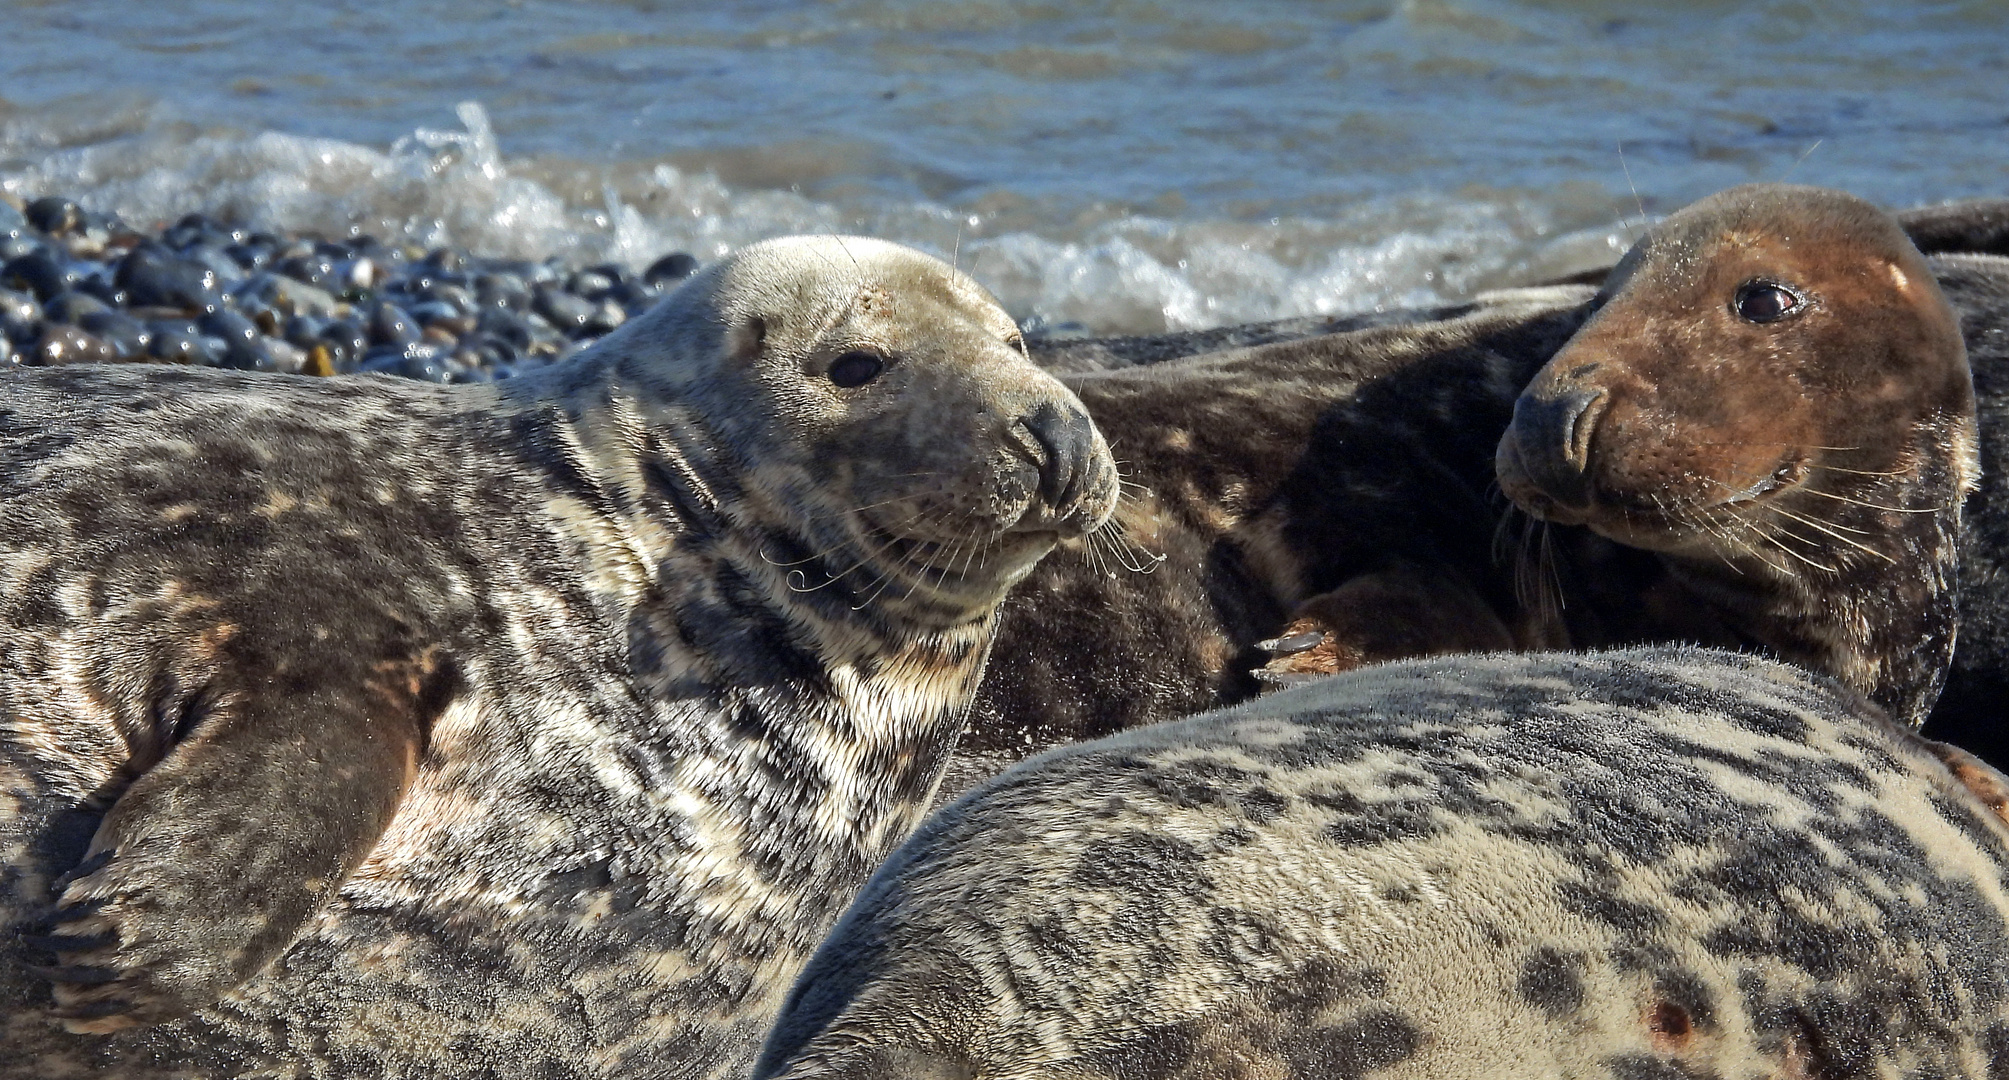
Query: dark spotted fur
column 1655, row 863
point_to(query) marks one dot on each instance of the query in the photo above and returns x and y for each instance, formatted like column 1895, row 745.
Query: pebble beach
column 79, row 286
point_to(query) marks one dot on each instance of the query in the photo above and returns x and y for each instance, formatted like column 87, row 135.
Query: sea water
column 1129, row 166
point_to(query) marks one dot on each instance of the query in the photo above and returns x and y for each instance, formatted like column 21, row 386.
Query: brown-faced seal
column 1660, row 863
column 1774, row 397
column 366, row 727
column 1963, row 242
column 1330, row 496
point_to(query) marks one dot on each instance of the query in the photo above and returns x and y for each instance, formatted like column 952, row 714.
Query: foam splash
column 1128, row 273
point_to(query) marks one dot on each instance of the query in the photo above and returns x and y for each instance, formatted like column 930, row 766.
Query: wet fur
column 536, row 730
column 1659, row 863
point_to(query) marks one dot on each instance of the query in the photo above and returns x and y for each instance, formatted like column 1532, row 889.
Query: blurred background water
column 1131, row 165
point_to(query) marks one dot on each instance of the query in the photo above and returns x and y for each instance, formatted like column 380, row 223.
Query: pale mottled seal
column 1666, row 863
column 536, row 730
column 1774, row 397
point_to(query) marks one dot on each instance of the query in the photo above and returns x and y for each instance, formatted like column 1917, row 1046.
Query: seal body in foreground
column 1657, row 863
column 361, row 727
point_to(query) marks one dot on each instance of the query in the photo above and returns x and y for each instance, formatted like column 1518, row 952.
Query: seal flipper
column 209, row 864
column 1386, row 615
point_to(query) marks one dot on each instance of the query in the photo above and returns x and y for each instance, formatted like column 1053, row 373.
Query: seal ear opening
column 745, row 340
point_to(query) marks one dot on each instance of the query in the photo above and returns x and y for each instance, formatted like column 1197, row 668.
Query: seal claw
column 1292, row 643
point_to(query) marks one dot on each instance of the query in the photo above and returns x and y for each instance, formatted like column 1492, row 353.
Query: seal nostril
column 1068, row 438
column 1552, row 436
column 1588, row 410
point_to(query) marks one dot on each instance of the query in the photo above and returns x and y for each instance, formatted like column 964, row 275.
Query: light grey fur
column 1664, row 863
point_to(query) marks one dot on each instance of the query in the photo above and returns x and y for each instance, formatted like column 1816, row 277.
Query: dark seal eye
column 1763, row 302
column 856, row 368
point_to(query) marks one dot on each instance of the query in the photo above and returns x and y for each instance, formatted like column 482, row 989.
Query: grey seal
column 358, row 726
column 1326, row 502
column 1773, row 397
column 1665, row 863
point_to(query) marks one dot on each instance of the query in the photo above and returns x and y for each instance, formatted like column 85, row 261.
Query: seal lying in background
column 1774, row 397
column 1261, row 477
column 1331, row 495
column 534, row 730
column 1667, row 862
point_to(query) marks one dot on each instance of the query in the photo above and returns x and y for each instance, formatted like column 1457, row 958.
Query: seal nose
column 1068, row 437
column 1549, row 443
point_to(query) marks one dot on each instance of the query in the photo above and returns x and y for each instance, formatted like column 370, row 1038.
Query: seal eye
column 1763, row 302
column 856, row 368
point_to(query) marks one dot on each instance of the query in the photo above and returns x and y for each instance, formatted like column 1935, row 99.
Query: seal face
column 355, row 725
column 1661, row 862
column 1774, row 396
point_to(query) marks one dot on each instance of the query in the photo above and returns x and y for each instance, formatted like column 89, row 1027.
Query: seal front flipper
column 211, row 861
column 1390, row 614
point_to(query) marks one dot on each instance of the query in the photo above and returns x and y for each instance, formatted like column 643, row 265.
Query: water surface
column 1131, row 166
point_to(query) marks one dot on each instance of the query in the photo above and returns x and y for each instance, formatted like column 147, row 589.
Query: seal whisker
column 1814, row 523
column 1874, row 506
column 1772, row 535
column 1795, row 445
column 1753, row 528
column 1134, row 557
column 1894, row 474
column 1719, row 530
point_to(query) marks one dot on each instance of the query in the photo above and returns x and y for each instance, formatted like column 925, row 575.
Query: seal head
column 1774, row 395
column 889, row 418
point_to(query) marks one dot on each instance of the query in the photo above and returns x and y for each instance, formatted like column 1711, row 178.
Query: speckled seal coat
column 357, row 727
column 1671, row 863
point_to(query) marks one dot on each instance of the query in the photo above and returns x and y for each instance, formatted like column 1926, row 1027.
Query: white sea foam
column 1124, row 273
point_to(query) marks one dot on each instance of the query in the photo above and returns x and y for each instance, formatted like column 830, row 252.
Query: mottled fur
column 538, row 730
column 1256, row 479
column 1973, row 710
column 1675, row 864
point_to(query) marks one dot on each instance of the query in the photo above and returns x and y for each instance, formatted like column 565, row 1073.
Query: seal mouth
column 1652, row 521
column 942, row 565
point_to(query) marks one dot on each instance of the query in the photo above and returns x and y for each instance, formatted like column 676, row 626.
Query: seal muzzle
column 1067, row 438
column 1544, row 460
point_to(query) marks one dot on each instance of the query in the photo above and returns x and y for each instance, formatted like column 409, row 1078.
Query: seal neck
column 680, row 543
column 1877, row 607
